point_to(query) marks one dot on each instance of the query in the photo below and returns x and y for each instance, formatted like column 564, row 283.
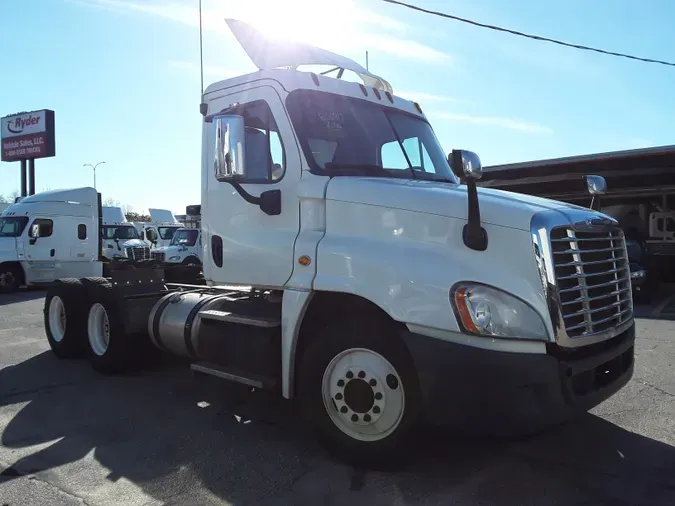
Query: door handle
column 51, row 252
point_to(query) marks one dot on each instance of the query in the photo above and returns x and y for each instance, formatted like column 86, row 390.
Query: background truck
column 184, row 248
column 160, row 230
column 49, row 235
column 348, row 269
column 120, row 238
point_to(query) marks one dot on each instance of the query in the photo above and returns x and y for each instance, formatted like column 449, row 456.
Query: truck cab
column 184, row 248
column 120, row 238
column 47, row 236
column 160, row 230
column 353, row 266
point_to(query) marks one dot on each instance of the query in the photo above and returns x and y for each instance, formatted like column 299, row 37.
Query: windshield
column 185, row 237
column 166, row 233
column 111, row 232
column 12, row 226
column 342, row 135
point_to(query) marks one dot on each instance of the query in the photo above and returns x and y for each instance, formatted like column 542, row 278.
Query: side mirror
column 465, row 164
column 596, row 185
column 34, row 231
column 229, row 138
column 194, row 210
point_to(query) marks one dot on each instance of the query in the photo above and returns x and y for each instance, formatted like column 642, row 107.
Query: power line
column 529, row 36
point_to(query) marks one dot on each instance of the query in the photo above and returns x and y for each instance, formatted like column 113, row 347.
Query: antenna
column 201, row 54
column 366, row 57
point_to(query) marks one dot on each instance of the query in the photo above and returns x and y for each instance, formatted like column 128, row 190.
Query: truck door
column 245, row 245
column 40, row 251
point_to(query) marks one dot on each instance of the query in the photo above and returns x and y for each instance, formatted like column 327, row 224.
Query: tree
column 109, row 202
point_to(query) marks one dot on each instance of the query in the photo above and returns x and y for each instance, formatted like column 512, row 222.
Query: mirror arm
column 474, row 235
column 251, row 199
column 269, row 201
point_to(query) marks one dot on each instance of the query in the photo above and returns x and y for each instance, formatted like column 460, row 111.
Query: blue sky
column 123, row 79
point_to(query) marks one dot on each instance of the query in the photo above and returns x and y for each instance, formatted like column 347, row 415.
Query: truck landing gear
column 359, row 389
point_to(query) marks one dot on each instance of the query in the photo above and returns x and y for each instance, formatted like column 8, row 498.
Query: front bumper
column 485, row 392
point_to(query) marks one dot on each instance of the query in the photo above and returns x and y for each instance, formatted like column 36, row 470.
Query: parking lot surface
column 161, row 437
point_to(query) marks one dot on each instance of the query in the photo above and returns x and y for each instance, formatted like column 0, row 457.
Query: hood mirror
column 596, row 186
column 467, row 166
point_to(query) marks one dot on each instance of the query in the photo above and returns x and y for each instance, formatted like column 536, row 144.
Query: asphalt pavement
column 69, row 436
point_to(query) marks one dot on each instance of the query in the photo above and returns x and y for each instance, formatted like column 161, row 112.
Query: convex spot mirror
column 230, row 149
column 596, row 185
column 465, row 164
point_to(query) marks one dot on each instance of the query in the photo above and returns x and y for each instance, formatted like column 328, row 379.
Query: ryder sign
column 28, row 135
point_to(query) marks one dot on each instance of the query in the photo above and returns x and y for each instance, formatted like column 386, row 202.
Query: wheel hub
column 359, row 397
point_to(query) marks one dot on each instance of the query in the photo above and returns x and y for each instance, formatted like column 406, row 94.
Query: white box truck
column 369, row 284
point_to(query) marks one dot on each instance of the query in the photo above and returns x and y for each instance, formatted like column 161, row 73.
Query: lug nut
column 338, row 396
column 392, row 381
column 355, row 418
column 366, row 418
column 362, row 374
column 349, row 375
column 341, row 383
column 378, row 396
column 372, row 382
column 376, row 409
column 343, row 409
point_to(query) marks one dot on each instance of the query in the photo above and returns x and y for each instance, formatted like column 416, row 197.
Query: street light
column 93, row 167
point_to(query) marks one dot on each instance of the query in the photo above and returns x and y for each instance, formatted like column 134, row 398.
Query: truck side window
column 265, row 156
column 82, row 231
column 46, row 226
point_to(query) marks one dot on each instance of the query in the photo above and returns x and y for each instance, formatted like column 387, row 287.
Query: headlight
column 174, row 258
column 486, row 311
column 638, row 274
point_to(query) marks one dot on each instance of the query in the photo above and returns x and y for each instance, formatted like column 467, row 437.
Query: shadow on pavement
column 23, row 295
column 183, row 441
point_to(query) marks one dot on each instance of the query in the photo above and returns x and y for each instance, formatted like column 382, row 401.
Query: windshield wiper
column 355, row 169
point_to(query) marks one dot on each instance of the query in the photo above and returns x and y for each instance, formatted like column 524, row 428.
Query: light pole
column 93, row 167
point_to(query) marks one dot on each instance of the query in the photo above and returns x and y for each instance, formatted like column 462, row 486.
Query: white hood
column 497, row 207
column 134, row 243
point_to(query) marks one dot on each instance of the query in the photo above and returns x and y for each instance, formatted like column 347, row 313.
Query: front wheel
column 359, row 389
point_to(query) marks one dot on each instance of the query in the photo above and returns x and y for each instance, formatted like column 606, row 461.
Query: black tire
column 377, row 335
column 118, row 355
column 11, row 278
column 191, row 260
column 66, row 339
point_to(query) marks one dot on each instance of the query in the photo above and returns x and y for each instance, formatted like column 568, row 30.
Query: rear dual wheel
column 63, row 318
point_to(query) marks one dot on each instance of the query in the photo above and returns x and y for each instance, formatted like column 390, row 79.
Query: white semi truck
column 120, row 238
column 348, row 269
column 185, row 248
column 160, row 230
column 49, row 235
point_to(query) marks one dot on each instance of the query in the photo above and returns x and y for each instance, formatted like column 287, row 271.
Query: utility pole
column 367, row 62
column 93, row 167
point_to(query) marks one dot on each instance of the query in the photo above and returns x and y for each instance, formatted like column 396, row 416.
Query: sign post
column 25, row 137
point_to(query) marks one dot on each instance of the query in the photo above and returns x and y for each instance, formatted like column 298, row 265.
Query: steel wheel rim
column 361, row 414
column 7, row 279
column 98, row 329
column 57, row 318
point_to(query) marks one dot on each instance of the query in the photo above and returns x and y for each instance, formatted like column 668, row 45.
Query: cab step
column 227, row 373
column 264, row 321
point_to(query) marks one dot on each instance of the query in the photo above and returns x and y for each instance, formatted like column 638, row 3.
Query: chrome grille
column 592, row 278
column 158, row 255
column 138, row 253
